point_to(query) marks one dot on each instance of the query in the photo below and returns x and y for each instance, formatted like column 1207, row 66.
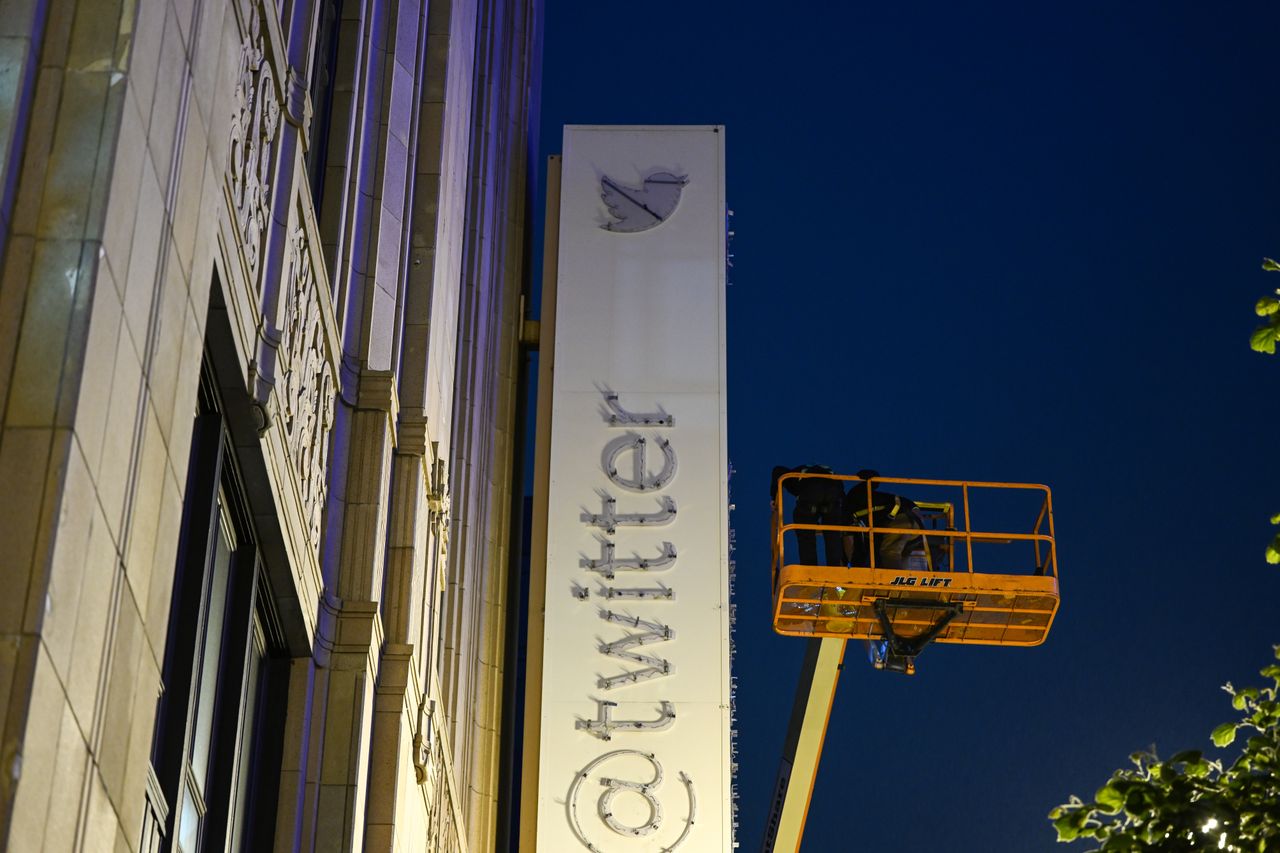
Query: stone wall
column 158, row 220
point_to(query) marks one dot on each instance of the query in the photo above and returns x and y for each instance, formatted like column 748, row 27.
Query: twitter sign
column 632, row 710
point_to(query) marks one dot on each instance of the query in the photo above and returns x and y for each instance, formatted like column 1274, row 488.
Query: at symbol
column 644, row 789
column 640, row 478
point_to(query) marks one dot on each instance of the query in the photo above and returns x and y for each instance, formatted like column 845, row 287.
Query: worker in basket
column 868, row 504
column 818, row 501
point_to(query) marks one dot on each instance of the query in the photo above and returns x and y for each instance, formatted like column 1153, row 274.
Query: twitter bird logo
column 639, row 209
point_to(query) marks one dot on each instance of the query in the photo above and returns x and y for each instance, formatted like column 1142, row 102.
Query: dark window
column 324, row 68
column 219, row 724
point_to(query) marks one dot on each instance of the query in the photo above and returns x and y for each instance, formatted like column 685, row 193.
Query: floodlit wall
column 635, row 723
column 302, row 223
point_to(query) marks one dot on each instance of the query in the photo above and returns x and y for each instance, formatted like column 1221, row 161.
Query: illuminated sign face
column 635, row 723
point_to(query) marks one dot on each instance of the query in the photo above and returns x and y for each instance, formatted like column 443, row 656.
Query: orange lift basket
column 933, row 588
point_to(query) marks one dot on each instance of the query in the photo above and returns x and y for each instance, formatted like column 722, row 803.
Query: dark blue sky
column 1050, row 221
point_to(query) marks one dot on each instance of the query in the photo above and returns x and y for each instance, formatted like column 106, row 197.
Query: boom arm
column 799, row 766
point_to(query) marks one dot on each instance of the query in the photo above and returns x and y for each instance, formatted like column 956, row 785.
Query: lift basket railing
column 998, row 584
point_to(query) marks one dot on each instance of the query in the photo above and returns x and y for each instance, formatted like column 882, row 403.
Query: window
column 216, row 749
column 324, row 83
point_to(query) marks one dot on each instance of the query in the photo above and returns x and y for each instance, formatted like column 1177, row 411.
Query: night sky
column 1018, row 242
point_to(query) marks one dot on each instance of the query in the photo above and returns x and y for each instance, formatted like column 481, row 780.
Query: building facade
column 260, row 313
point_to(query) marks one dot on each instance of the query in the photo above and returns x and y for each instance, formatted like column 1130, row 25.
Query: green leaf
column 1068, row 828
column 1266, row 306
column 1263, row 340
column 1273, row 551
column 1243, row 697
column 1270, row 265
column 1275, row 519
column 1272, row 671
column 1109, row 799
column 1224, row 735
column 1135, row 803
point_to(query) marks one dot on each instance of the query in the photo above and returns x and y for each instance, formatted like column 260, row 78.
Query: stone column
column 349, row 655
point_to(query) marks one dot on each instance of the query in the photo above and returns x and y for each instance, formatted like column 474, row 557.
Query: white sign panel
column 635, row 751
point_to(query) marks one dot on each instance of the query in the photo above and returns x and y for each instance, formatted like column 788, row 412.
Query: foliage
column 1191, row 802
column 1265, row 336
column 1264, row 340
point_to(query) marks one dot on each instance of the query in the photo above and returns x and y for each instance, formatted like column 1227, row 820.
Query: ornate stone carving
column 438, row 503
column 424, row 740
column 307, row 389
column 254, row 125
column 445, row 828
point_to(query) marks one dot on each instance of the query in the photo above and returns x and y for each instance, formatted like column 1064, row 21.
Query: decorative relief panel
column 254, row 126
column 275, row 290
column 307, row 380
column 445, row 829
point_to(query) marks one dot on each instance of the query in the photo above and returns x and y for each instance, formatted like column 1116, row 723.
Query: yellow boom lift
column 920, row 571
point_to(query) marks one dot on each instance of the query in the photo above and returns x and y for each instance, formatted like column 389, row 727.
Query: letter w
column 654, row 667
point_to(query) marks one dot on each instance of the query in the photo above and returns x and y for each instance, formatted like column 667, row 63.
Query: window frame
column 235, row 801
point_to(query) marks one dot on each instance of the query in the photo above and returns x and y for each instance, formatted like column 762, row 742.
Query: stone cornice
column 376, row 391
column 346, row 629
column 413, row 437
